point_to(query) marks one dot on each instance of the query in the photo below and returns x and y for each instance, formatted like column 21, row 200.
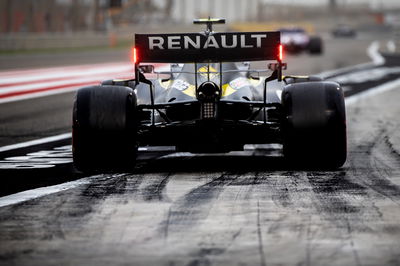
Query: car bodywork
column 233, row 118
column 214, row 104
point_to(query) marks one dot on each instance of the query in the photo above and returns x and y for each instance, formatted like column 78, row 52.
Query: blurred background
column 64, row 24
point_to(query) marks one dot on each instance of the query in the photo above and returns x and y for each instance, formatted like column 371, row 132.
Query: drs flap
column 197, row 47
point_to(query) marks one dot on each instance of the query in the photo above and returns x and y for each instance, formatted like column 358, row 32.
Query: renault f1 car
column 211, row 101
column 296, row 40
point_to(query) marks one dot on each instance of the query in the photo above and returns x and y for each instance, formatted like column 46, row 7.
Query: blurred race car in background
column 296, row 40
column 344, row 31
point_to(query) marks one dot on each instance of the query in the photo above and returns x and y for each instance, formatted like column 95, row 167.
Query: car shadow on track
column 210, row 163
column 20, row 179
column 258, row 160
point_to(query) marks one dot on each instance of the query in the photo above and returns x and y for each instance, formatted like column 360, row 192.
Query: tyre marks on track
column 50, row 218
column 377, row 168
column 195, row 206
column 203, row 217
column 263, row 261
column 132, row 214
column 339, row 202
column 335, row 192
column 194, row 222
column 154, row 191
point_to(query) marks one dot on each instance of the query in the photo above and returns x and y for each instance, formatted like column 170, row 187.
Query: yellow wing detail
column 227, row 90
column 191, row 91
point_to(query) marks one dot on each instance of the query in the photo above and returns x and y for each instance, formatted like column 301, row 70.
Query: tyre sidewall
column 104, row 127
column 314, row 124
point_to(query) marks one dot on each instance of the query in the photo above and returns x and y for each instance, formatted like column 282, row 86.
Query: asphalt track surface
column 244, row 208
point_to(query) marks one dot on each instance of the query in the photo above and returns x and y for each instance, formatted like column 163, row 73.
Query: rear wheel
column 104, row 128
column 314, row 124
column 315, row 45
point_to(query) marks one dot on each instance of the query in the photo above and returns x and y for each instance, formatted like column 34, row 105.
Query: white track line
column 339, row 71
column 373, row 91
column 30, row 84
column 33, row 95
column 43, row 191
column 62, row 75
column 35, row 142
column 372, row 52
column 391, row 46
column 18, row 72
column 33, row 86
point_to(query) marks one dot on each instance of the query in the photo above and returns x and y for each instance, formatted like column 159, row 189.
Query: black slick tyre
column 314, row 124
column 315, row 45
column 104, row 128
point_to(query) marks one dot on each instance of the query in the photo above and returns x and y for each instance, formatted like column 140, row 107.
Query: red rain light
column 280, row 52
column 134, row 55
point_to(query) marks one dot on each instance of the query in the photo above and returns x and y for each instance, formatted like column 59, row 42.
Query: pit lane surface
column 237, row 209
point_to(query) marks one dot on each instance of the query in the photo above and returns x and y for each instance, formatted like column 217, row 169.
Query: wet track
column 243, row 208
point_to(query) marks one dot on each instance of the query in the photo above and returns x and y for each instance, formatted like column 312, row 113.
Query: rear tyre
column 314, row 125
column 104, row 128
column 315, row 45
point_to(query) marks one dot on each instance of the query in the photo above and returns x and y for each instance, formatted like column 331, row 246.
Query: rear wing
column 203, row 47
